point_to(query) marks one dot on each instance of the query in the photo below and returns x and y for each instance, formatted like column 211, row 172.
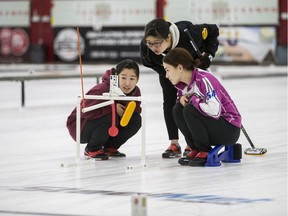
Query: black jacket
column 209, row 44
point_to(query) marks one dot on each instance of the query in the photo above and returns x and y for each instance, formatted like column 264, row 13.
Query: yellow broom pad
column 128, row 113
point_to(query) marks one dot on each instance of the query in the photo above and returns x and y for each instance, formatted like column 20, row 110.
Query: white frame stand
column 109, row 100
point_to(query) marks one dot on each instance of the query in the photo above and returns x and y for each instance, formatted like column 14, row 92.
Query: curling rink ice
column 34, row 142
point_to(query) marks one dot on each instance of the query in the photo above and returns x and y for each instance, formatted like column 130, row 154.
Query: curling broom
column 252, row 150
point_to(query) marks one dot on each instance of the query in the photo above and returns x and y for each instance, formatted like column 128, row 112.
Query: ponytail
column 180, row 56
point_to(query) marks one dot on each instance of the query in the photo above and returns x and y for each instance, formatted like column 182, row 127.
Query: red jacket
column 98, row 89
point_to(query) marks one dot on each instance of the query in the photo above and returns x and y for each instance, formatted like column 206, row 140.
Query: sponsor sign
column 111, row 44
column 13, row 42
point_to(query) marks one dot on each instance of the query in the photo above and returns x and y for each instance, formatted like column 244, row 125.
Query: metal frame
column 110, row 101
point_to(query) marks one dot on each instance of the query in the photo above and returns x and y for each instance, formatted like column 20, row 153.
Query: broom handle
column 247, row 137
column 193, row 43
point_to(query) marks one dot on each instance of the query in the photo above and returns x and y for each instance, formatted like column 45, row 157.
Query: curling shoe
column 112, row 152
column 186, row 151
column 200, row 159
column 97, row 155
column 190, row 156
column 173, row 151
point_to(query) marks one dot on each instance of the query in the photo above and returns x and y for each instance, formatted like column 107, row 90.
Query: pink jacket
column 208, row 96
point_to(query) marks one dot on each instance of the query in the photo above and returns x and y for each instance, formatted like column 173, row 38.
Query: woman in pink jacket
column 205, row 113
column 96, row 123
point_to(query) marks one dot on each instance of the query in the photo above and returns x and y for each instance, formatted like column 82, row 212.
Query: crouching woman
column 204, row 113
column 95, row 124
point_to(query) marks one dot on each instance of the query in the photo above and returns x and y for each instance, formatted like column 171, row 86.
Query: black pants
column 202, row 132
column 95, row 132
column 169, row 100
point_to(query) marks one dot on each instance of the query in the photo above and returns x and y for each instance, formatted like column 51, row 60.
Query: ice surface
column 34, row 142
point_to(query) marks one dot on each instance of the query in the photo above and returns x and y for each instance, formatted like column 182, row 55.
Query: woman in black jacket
column 162, row 36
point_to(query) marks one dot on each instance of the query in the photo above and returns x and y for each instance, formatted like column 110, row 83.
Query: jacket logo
column 204, row 33
column 211, row 94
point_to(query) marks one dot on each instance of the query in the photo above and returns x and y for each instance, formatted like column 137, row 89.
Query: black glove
column 205, row 61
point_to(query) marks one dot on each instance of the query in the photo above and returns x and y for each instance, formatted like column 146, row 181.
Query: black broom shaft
column 195, row 47
column 247, row 137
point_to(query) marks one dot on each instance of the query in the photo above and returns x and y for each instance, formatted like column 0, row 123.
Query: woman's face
column 127, row 80
column 158, row 45
column 173, row 73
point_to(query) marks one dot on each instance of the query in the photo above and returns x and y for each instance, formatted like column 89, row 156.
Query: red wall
column 41, row 32
column 282, row 30
column 160, row 4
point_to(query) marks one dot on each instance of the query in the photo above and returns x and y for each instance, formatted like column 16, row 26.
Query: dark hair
column 129, row 64
column 180, row 56
column 157, row 28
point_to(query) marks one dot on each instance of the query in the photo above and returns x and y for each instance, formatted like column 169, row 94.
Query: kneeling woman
column 95, row 124
column 205, row 113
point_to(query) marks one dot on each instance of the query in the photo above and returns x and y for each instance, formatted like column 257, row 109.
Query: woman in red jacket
column 96, row 123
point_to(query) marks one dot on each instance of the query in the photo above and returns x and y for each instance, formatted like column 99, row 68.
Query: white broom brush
column 253, row 150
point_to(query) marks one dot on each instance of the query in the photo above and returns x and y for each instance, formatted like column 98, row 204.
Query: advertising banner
column 102, row 13
column 245, row 44
column 224, row 12
column 14, row 34
column 14, row 44
column 14, row 14
column 111, row 44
